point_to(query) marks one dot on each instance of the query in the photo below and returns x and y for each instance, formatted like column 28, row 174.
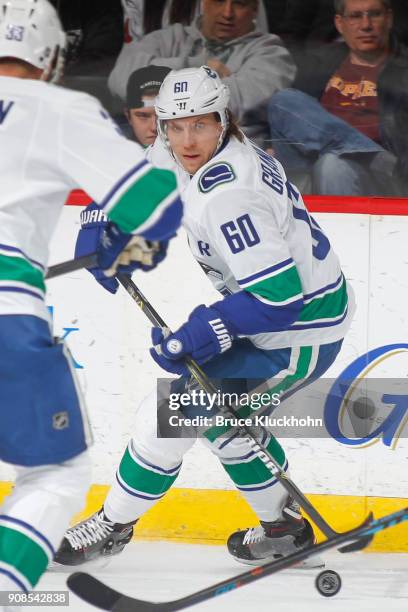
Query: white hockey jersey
column 249, row 230
column 54, row 140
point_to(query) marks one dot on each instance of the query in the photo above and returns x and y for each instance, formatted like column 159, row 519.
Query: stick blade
column 93, row 591
column 361, row 542
column 102, row 596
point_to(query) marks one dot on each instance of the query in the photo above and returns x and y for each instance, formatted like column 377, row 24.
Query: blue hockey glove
column 144, row 255
column 202, row 337
column 93, row 223
column 120, row 253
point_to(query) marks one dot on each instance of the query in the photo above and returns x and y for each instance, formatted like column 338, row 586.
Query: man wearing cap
column 253, row 64
column 142, row 89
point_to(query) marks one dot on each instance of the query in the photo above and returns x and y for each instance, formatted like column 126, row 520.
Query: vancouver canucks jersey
column 52, row 141
column 249, row 229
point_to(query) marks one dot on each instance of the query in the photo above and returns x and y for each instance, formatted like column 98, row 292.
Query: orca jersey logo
column 215, row 175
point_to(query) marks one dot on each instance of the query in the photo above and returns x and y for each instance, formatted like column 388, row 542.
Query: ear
column 338, row 22
column 126, row 113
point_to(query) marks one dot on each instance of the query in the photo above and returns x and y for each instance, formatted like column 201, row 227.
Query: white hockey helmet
column 30, row 30
column 190, row 92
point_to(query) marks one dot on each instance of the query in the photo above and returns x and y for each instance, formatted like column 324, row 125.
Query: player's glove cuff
column 203, row 336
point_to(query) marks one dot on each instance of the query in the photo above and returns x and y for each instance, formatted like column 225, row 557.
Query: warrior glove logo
column 222, row 334
column 174, row 346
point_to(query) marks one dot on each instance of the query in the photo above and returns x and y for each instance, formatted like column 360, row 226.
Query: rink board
column 109, row 338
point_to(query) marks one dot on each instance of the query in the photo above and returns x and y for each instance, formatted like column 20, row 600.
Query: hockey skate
column 270, row 541
column 92, row 542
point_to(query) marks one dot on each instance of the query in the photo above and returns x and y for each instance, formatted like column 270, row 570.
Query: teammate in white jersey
column 53, row 140
column 280, row 325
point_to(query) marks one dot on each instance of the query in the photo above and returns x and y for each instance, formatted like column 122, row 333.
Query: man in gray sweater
column 253, row 65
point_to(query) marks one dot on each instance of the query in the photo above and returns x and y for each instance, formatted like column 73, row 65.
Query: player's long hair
column 181, row 11
column 233, row 128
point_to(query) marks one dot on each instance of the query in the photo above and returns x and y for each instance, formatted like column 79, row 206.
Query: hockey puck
column 328, row 583
column 364, row 408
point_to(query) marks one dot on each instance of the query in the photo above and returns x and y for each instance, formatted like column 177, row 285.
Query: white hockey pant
column 150, row 465
column 35, row 516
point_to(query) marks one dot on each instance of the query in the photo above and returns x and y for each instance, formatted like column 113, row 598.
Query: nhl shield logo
column 60, row 420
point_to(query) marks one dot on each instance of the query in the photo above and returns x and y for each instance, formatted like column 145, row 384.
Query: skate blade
column 94, row 564
column 315, row 562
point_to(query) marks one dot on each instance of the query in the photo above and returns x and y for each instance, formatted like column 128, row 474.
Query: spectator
column 139, row 21
column 339, row 119
column 306, row 24
column 252, row 64
column 142, row 89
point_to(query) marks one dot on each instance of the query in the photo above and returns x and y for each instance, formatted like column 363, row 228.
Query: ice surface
column 161, row 571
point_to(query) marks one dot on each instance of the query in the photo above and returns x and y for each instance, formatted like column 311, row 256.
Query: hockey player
column 53, row 140
column 281, row 322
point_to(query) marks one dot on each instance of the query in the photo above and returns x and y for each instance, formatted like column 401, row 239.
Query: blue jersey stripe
column 167, row 224
column 319, row 325
column 121, row 182
column 250, row 489
column 275, row 268
column 12, row 249
column 40, row 536
column 14, row 578
column 11, row 289
column 148, row 497
column 310, row 296
column 155, row 467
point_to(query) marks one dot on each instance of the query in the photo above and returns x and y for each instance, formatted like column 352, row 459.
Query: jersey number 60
column 240, row 234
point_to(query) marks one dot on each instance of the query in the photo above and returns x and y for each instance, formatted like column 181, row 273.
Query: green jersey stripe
column 141, row 199
column 281, row 288
column 255, row 472
column 142, row 479
column 326, row 307
column 19, row 551
column 20, row 270
column 137, row 492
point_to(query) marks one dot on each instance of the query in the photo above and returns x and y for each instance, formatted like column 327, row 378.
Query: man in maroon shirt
column 338, row 120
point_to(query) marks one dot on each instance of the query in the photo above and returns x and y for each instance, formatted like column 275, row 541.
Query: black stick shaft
column 87, row 261
column 207, row 385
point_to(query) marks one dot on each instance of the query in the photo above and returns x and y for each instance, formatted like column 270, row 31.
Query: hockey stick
column 259, row 450
column 87, row 261
column 102, row 596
